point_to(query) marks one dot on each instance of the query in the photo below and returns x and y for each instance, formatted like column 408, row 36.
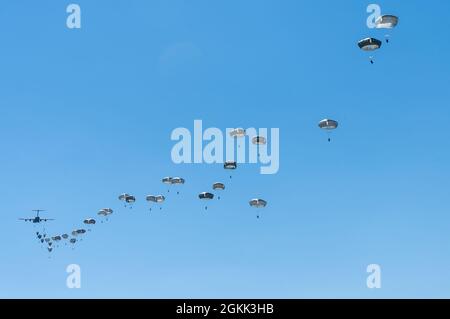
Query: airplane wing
column 46, row 219
column 25, row 219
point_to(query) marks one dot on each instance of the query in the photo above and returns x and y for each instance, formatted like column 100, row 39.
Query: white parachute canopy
column 105, row 212
column 158, row 199
column 259, row 140
column 237, row 132
column 206, row 196
column 328, row 125
column 128, row 199
column 387, row 21
column 218, row 186
column 258, row 203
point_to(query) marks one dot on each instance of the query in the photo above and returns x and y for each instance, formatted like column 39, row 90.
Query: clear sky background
column 87, row 114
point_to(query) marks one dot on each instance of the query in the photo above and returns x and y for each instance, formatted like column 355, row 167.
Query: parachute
column 177, row 181
column 73, row 241
column 369, row 44
column 128, row 199
column 386, row 21
column 168, row 182
column 206, row 196
column 218, row 186
column 89, row 221
column 237, row 132
column 105, row 212
column 259, row 140
column 65, row 236
column 328, row 125
column 258, row 203
column 158, row 199
column 230, row 165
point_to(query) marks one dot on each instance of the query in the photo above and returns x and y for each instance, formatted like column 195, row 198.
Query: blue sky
column 87, row 114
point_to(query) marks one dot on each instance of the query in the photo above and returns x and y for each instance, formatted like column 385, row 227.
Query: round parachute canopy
column 237, row 132
column 73, row 240
column 369, row 44
column 65, row 236
column 258, row 203
column 167, row 180
column 89, row 221
column 127, row 198
column 177, row 180
column 50, row 249
column 220, row 186
column 230, row 165
column 105, row 211
column 47, row 240
column 56, row 238
column 156, row 198
column 74, row 233
column 206, row 196
column 130, row 199
column 259, row 140
column 81, row 231
column 123, row 196
column 328, row 124
column 387, row 21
